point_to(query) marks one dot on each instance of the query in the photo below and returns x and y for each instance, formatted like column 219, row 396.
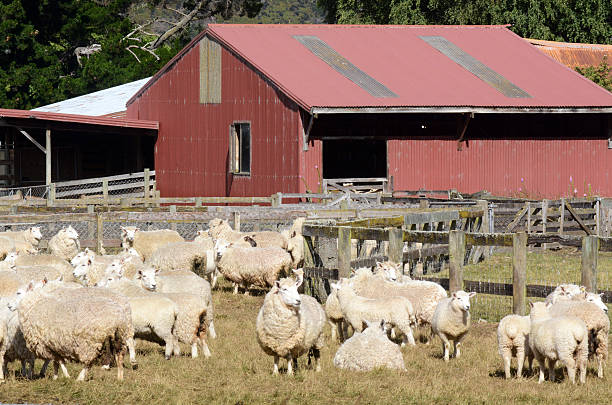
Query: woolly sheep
column 153, row 315
column 3, row 347
column 59, row 264
column 58, row 325
column 180, row 282
column 295, row 242
column 564, row 291
column 31, row 236
column 8, row 245
column 147, row 242
column 335, row 317
column 290, row 324
column 9, row 283
column 597, row 324
column 357, row 310
column 65, row 243
column 208, row 245
column 183, row 256
column 513, row 340
column 451, row 321
column 248, row 266
column 563, row 338
column 369, row 350
column 423, row 295
column 36, row 273
column 220, row 229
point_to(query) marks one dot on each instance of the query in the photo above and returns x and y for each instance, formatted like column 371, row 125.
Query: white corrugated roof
column 103, row 102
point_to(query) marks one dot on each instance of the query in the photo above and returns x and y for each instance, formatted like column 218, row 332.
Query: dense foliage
column 600, row 74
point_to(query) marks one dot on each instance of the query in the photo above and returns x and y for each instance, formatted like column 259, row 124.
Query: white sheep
column 357, row 310
column 208, row 245
column 178, row 282
column 597, row 324
column 513, row 340
column 251, row 266
column 451, row 321
column 59, row 264
column 295, row 242
column 563, row 338
column 65, row 243
column 423, row 295
column 183, row 256
column 3, row 347
column 290, row 325
column 36, row 273
column 9, row 283
column 153, row 315
column 368, row 350
column 31, row 236
column 58, row 325
column 8, row 245
column 564, row 291
column 147, row 242
column 220, row 229
column 335, row 317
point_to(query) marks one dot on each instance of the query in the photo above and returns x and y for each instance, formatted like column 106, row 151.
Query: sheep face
column 71, row 233
column 539, row 310
column 597, row 300
column 220, row 247
column 36, row 233
column 11, row 257
column 15, row 300
column 133, row 252
column 106, row 280
column 81, row 257
column 388, row 270
column 287, row 289
column 128, row 233
column 148, row 278
column 116, row 268
column 569, row 290
column 81, row 270
column 462, row 299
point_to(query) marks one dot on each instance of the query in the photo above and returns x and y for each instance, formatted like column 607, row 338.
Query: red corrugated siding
column 192, row 147
column 537, row 168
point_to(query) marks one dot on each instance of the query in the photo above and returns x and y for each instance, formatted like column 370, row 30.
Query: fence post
column 562, row 216
column 597, row 217
column 528, row 227
column 198, row 202
column 146, row 183
column 519, row 272
column 52, row 193
column 396, row 245
column 544, row 214
column 236, row 218
column 456, row 253
column 105, row 190
column 173, row 211
column 91, row 209
column 590, row 248
column 344, row 251
column 99, row 233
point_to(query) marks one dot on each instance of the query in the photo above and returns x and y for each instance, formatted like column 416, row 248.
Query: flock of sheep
column 75, row 305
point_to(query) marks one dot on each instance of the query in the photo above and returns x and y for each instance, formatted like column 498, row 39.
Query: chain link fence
column 29, row 192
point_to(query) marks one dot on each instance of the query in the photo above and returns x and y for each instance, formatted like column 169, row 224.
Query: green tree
column 600, row 74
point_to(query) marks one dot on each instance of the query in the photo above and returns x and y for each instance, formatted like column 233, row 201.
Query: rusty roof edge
column 570, row 45
column 461, row 110
column 78, row 119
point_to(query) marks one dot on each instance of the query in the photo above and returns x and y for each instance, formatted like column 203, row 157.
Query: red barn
column 249, row 110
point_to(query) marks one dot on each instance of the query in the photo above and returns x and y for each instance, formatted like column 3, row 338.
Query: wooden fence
column 457, row 241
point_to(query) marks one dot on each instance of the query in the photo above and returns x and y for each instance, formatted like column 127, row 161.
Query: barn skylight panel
column 474, row 66
column 343, row 66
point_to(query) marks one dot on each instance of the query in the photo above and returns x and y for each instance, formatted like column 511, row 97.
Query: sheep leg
column 317, row 356
column 445, row 346
column 83, row 374
column 540, row 359
column 289, row 365
column 43, row 370
column 194, row 350
column 506, row 358
column 215, row 275
column 457, row 351
column 2, row 366
column 334, row 330
column 520, row 360
column 132, row 352
column 570, row 364
column 211, row 330
column 169, row 341
column 55, row 369
column 235, row 288
column 203, row 344
column 64, row 369
column 119, row 360
column 600, row 364
column 176, row 348
column 246, row 289
column 551, row 370
column 275, row 372
column 408, row 337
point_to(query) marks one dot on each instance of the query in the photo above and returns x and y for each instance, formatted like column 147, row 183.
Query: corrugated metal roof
column 43, row 116
column 110, row 102
column 401, row 61
column 574, row 54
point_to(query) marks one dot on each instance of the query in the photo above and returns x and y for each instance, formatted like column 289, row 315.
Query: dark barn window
column 240, row 148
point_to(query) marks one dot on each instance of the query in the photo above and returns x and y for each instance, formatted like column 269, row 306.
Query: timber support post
column 519, row 272
column 590, row 248
column 236, row 220
column 99, row 233
column 344, row 251
column 396, row 245
column 456, row 252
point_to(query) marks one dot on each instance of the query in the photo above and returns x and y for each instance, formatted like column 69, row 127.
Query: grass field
column 240, row 373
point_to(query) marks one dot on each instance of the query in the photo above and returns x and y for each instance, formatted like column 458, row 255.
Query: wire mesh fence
column 40, row 191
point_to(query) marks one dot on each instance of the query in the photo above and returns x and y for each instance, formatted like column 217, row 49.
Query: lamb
column 153, row 315
column 65, row 243
column 58, row 325
column 295, row 242
column 335, row 317
column 424, row 295
column 451, row 321
column 597, row 324
column 31, row 236
column 563, row 338
column 564, row 291
column 221, row 230
column 147, row 242
column 289, row 324
column 357, row 310
column 179, row 282
column 369, row 350
column 513, row 339
column 248, row 266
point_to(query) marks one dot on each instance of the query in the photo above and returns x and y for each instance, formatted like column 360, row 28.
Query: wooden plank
column 590, row 247
column 321, row 272
column 368, row 261
column 320, row 230
column 396, row 245
column 426, row 237
column 577, row 218
column 519, row 272
column 544, row 213
column 370, row 233
column 344, row 251
column 456, row 252
column 565, row 240
column 470, row 214
column 396, row 221
column 519, row 216
column 562, row 216
column 99, row 233
column 488, row 239
column 434, row 251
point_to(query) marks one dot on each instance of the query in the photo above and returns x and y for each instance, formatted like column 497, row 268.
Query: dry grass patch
column 239, row 372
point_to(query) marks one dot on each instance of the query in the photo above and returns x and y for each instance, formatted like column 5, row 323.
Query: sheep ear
column 277, row 285
column 139, row 275
column 88, row 262
column 156, row 272
column 298, row 282
column 562, row 288
column 471, row 294
column 548, row 305
column 582, row 288
column 45, row 280
column 454, row 295
column 530, row 304
column 601, row 295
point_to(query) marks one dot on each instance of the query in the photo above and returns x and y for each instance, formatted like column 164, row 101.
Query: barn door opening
column 354, row 158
